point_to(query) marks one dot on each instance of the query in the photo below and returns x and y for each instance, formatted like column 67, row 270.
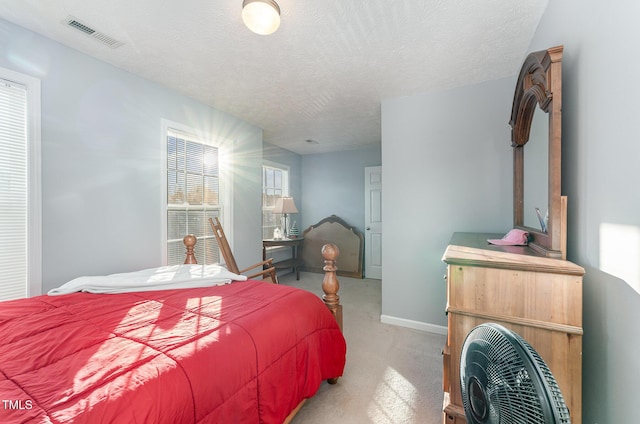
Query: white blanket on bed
column 162, row 278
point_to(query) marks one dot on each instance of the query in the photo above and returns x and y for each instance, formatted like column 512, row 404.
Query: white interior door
column 373, row 222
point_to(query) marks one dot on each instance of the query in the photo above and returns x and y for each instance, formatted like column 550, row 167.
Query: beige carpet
column 393, row 374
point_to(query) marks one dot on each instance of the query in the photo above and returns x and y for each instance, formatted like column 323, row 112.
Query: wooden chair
column 223, row 244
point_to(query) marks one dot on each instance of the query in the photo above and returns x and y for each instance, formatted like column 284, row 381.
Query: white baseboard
column 416, row 325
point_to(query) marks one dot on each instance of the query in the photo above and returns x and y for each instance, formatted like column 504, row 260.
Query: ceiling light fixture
column 261, row 16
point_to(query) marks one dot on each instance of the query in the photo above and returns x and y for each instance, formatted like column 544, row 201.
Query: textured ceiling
column 321, row 76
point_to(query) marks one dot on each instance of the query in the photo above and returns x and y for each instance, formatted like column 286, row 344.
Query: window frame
column 286, row 191
column 225, row 182
column 33, row 283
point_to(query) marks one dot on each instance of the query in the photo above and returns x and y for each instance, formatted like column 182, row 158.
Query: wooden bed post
column 330, row 284
column 189, row 242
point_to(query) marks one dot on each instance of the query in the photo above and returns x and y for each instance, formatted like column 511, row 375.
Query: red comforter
column 244, row 352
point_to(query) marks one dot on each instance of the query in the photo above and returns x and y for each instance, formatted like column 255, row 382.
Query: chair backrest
column 223, row 244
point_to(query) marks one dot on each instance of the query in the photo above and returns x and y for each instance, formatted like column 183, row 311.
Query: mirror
column 536, row 173
column 536, row 117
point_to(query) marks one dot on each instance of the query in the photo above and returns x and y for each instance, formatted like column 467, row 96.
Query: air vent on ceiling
column 86, row 29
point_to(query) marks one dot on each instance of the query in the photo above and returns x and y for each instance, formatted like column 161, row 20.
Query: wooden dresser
column 538, row 297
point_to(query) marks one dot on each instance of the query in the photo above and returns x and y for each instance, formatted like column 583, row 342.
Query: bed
column 222, row 353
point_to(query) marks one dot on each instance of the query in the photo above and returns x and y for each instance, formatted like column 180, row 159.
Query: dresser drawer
column 544, row 297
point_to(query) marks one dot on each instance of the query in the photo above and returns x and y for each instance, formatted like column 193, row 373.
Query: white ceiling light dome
column 261, row 16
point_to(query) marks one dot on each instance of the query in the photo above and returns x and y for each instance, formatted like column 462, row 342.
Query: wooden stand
column 537, row 297
column 295, row 262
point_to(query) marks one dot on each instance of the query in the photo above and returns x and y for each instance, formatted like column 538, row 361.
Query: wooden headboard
column 334, row 230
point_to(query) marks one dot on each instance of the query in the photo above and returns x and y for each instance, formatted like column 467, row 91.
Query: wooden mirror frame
column 540, row 84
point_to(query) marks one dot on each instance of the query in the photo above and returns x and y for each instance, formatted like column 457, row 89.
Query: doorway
column 373, row 222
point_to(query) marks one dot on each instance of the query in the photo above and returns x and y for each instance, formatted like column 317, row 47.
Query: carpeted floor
column 393, row 374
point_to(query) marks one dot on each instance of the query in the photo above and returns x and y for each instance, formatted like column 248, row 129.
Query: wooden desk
column 295, row 262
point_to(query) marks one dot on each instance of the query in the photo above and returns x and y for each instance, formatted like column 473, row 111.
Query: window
column 275, row 183
column 20, row 210
column 193, row 195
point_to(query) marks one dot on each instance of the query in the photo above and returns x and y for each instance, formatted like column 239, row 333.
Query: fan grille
column 505, row 381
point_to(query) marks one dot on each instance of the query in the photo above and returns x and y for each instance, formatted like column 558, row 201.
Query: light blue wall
column 447, row 168
column 333, row 184
column 600, row 176
column 101, row 160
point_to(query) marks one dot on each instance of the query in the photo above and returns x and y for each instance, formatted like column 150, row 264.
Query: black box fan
column 505, row 381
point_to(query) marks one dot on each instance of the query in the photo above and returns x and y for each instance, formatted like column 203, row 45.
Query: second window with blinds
column 193, row 195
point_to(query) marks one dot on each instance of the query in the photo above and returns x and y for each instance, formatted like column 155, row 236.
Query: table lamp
column 285, row 205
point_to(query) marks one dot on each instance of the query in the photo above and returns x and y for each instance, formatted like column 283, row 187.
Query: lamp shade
column 285, row 205
column 261, row 16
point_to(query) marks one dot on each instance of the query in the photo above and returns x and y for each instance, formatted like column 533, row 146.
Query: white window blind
column 13, row 191
column 193, row 196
